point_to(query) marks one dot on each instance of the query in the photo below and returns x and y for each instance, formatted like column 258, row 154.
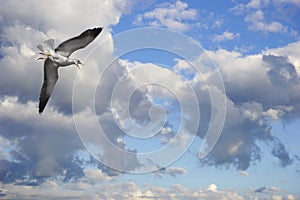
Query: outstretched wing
column 68, row 47
column 50, row 78
column 46, row 46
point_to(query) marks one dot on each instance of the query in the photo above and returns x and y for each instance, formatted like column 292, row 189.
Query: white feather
column 47, row 46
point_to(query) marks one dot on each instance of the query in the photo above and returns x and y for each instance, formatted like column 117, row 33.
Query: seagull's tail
column 46, row 46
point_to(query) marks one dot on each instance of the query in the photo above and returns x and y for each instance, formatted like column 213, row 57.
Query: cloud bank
column 41, row 152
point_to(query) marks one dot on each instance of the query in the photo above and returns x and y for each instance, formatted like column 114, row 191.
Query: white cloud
column 21, row 78
column 212, row 187
column 244, row 173
column 294, row 2
column 257, row 108
column 174, row 16
column 126, row 190
column 248, row 113
column 218, row 23
column 40, row 155
column 257, row 22
column 226, row 36
column 291, row 50
column 259, row 17
column 95, row 176
column 254, row 4
column 238, row 9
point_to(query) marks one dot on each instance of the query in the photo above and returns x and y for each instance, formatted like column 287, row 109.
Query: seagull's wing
column 68, row 47
column 46, row 46
column 50, row 78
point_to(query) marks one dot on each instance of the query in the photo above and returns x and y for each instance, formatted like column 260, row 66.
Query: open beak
column 78, row 65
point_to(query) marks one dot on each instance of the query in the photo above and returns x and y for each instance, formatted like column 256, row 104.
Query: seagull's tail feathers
column 46, row 46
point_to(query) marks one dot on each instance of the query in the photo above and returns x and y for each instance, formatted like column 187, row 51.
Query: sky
column 176, row 100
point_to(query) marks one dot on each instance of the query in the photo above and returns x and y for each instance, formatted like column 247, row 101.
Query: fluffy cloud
column 253, row 103
column 126, row 190
column 260, row 88
column 257, row 22
column 52, row 189
column 226, row 36
column 174, row 16
column 48, row 146
column 257, row 16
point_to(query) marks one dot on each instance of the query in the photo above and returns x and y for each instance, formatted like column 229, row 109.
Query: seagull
column 59, row 57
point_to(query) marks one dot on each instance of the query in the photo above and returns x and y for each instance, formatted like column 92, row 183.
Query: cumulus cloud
column 171, row 15
column 226, row 36
column 126, row 190
column 48, row 146
column 249, row 113
column 52, row 189
column 257, row 16
column 257, row 22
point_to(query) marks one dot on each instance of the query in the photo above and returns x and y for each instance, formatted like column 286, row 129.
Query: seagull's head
column 77, row 63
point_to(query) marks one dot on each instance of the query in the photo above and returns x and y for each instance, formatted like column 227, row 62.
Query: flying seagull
column 59, row 57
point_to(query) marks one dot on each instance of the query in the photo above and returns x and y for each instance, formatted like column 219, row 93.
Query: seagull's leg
column 78, row 67
column 40, row 58
column 44, row 54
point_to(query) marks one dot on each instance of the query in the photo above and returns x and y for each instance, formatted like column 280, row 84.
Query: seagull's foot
column 40, row 58
column 44, row 54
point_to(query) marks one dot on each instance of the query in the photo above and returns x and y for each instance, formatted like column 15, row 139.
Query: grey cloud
column 171, row 171
column 282, row 72
column 259, row 89
column 281, row 153
column 47, row 145
column 260, row 189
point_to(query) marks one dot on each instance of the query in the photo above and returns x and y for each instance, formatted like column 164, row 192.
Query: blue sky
column 160, row 81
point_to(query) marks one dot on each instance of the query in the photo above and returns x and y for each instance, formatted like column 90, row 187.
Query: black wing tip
column 41, row 110
column 95, row 31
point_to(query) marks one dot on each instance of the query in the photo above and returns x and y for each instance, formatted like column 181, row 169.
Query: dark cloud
column 259, row 190
column 281, row 153
column 282, row 72
column 43, row 155
column 171, row 171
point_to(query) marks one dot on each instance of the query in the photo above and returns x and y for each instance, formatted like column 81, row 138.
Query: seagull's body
column 59, row 57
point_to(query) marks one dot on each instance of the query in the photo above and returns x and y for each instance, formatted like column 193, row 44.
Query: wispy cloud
column 171, row 171
column 244, row 173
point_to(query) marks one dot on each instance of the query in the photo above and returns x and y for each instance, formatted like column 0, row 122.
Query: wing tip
column 96, row 31
column 41, row 109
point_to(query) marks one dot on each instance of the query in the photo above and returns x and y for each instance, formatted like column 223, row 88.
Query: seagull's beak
column 78, row 65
